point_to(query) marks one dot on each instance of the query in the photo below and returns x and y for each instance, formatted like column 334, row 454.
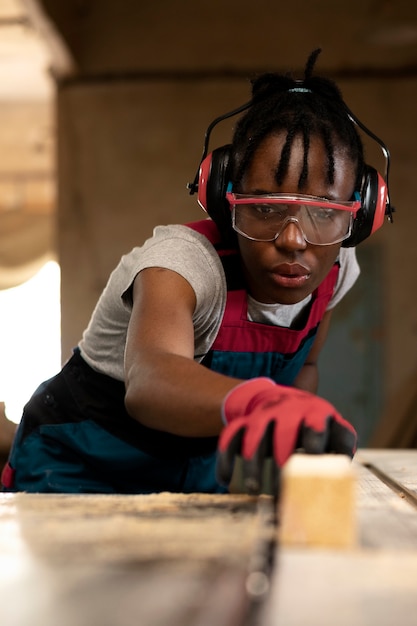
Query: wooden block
column 317, row 507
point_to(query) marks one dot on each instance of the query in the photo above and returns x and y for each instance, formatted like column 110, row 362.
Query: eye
column 269, row 210
column 324, row 215
column 264, row 209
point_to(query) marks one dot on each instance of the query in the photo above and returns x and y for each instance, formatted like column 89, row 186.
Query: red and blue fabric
column 246, row 349
column 75, row 435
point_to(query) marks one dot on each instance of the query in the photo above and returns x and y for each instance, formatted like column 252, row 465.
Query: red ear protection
column 381, row 206
column 374, row 207
column 203, row 177
column 214, row 178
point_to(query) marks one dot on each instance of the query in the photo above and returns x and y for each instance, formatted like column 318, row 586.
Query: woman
column 204, row 344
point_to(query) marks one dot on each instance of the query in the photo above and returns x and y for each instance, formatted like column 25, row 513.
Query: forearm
column 308, row 378
column 177, row 395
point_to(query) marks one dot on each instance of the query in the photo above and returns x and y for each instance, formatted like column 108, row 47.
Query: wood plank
column 342, row 588
column 372, row 584
column 198, row 560
column 387, row 518
column 399, row 465
column 153, row 594
column 385, row 521
column 112, row 529
column 317, row 507
column 127, row 560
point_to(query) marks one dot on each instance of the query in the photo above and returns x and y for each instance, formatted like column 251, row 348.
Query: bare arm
column 308, row 378
column 165, row 388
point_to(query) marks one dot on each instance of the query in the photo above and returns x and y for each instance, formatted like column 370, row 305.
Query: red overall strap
column 254, row 336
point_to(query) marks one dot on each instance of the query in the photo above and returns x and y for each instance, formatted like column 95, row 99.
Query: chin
column 283, row 297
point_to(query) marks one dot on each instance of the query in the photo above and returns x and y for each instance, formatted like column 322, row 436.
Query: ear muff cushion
column 212, row 186
column 370, row 216
column 381, row 209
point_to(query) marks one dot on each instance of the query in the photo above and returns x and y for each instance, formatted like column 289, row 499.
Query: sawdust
column 136, row 529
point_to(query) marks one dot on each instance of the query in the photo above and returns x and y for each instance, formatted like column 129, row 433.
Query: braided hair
column 310, row 107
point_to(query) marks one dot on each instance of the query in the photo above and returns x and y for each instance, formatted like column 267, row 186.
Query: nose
column 291, row 235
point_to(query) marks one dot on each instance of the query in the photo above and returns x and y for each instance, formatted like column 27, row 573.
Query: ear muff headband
column 212, row 178
column 192, row 187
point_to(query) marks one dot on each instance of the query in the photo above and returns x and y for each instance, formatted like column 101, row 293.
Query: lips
column 291, row 275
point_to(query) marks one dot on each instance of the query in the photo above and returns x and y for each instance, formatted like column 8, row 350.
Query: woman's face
column 288, row 269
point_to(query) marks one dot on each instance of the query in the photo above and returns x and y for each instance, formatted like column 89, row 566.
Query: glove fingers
column 314, row 441
column 254, row 458
column 230, row 444
column 287, row 438
column 273, row 478
column 336, row 437
column 342, row 438
column 266, row 479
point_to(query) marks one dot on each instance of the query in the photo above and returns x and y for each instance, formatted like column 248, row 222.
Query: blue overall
column 75, row 435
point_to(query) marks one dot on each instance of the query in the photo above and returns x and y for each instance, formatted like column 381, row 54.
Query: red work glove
column 264, row 420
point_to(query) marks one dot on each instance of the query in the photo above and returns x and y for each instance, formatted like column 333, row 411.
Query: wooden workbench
column 201, row 560
column 374, row 584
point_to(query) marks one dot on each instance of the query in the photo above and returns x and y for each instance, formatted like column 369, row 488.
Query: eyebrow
column 262, row 192
column 257, row 192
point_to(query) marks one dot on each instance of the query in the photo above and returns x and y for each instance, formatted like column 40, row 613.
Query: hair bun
column 269, row 85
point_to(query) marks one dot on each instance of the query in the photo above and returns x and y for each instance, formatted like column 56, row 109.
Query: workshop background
column 103, row 109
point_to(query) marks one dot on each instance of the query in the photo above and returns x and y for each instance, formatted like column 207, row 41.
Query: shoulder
column 165, row 239
column 349, row 266
column 181, row 249
column 348, row 274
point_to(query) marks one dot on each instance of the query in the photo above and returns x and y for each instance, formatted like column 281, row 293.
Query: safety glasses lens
column 320, row 225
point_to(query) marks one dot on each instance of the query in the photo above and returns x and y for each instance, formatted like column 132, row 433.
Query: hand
column 264, row 420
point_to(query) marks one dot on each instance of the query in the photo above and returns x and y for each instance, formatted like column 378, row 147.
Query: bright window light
column 30, row 337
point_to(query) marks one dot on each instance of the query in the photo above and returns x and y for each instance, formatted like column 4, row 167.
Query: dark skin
column 165, row 388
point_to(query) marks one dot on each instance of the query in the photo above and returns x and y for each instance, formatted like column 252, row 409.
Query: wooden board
column 201, row 560
column 373, row 584
column 387, row 507
column 398, row 466
column 127, row 560
column 317, row 507
column 339, row 588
